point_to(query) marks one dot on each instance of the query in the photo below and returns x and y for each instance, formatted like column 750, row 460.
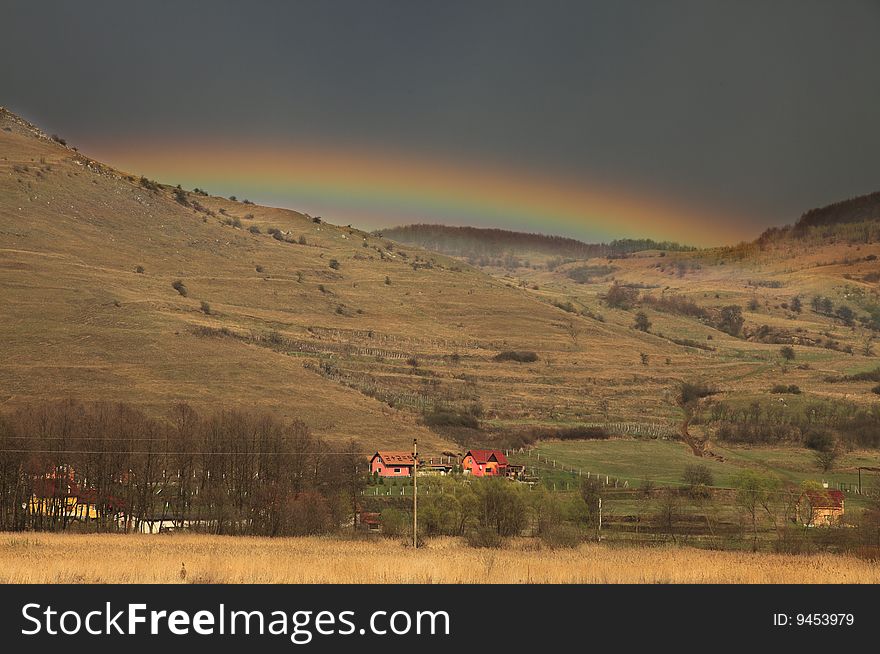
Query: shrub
column 867, row 375
column 302, row 240
column 277, row 235
column 395, row 522
column 826, row 448
column 642, row 323
column 782, row 388
column 687, row 342
column 579, row 433
column 819, row 440
column 206, row 308
column 565, row 306
column 273, row 338
column 697, row 474
column 484, row 537
column 180, row 197
column 334, row 264
column 450, row 418
column 58, row 139
column 585, row 274
column 690, row 392
column 521, row 356
column 876, row 389
column 259, row 269
column 621, row 297
column 787, row 353
column 139, row 270
column 253, row 229
column 846, row 315
column 387, row 281
column 500, row 506
column 149, row 184
column 179, row 286
column 562, row 536
column 731, row 320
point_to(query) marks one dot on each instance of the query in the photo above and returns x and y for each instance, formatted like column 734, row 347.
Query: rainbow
column 372, row 189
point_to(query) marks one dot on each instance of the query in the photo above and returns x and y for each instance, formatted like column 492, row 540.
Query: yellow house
column 58, row 495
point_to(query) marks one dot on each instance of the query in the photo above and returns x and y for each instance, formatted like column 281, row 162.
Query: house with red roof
column 392, row 464
column 485, row 463
column 58, row 494
column 822, row 507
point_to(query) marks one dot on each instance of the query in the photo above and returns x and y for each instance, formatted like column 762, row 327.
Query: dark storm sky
column 755, row 109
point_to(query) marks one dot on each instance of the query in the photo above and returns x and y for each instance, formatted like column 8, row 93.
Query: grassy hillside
column 506, row 248
column 355, row 335
column 365, row 338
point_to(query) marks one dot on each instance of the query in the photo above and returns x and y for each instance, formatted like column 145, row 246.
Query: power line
column 251, row 453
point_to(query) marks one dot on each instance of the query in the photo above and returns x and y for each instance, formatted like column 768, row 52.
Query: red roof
column 484, row 456
column 825, row 498
column 395, row 458
column 370, row 518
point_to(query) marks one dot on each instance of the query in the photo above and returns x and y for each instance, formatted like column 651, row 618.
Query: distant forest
column 856, row 220
column 474, row 242
column 858, row 209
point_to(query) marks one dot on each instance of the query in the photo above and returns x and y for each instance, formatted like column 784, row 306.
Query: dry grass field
column 66, row 558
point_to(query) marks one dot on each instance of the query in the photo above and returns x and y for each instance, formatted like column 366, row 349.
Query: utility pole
column 415, row 494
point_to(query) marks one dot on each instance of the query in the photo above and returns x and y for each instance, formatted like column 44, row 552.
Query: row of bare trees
column 110, row 467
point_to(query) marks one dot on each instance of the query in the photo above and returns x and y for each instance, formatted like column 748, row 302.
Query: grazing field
column 54, row 558
column 663, row 462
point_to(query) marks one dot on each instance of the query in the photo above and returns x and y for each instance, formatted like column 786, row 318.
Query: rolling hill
column 480, row 244
column 116, row 287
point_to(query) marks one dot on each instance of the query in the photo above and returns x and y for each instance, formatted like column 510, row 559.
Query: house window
column 396, row 470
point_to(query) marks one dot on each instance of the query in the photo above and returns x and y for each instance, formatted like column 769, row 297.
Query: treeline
column 852, row 425
column 855, row 220
column 476, row 243
column 728, row 319
column 487, row 511
column 857, row 209
column 110, row 467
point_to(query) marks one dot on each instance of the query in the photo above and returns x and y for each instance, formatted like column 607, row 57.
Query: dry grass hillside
column 366, row 338
column 346, row 331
